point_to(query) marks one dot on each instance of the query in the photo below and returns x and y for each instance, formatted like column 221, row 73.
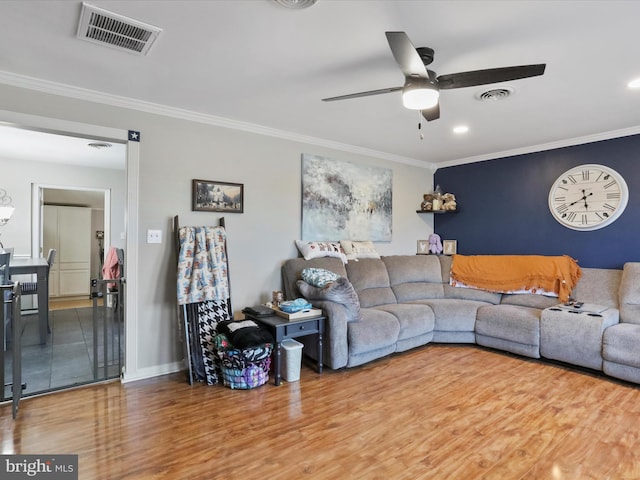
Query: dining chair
column 5, row 258
column 5, row 294
column 31, row 288
column 8, row 250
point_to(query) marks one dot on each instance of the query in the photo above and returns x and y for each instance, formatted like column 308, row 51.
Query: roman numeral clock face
column 588, row 197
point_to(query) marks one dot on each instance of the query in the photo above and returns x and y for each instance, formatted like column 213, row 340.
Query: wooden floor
column 438, row 412
column 64, row 304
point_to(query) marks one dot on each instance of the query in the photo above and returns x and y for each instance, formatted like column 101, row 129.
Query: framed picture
column 423, row 247
column 211, row 196
column 449, row 247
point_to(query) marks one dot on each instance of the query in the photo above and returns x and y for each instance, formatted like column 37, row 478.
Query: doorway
column 38, row 197
column 76, row 222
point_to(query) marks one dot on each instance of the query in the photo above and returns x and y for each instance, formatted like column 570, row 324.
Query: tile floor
column 67, row 359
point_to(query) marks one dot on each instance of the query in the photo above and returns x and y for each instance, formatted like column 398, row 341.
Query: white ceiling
column 18, row 144
column 261, row 66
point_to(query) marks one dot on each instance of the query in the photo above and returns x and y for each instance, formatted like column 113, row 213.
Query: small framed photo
column 423, row 247
column 212, row 196
column 449, row 247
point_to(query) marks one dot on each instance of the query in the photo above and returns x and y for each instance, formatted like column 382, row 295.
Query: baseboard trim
column 150, row 372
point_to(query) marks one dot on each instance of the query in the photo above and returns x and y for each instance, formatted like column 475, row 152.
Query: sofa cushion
column 414, row 277
column 414, row 319
column 600, row 286
column 630, row 283
column 358, row 250
column 472, row 294
column 453, row 315
column 630, row 293
column 375, row 330
column 509, row 322
column 529, row 300
column 620, row 344
column 370, row 279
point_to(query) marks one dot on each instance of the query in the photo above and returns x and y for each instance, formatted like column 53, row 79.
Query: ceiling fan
column 421, row 89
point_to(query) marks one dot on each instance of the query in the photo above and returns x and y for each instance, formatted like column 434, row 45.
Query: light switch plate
column 154, row 236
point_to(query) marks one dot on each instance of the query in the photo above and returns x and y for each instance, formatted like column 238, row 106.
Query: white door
column 68, row 230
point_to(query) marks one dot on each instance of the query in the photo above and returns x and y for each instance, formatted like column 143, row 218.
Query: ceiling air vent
column 296, row 4
column 108, row 28
column 495, row 94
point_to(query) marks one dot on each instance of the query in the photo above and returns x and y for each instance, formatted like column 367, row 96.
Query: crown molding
column 569, row 142
column 79, row 93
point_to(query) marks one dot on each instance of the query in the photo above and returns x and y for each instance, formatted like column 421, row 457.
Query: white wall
column 175, row 151
column 17, row 176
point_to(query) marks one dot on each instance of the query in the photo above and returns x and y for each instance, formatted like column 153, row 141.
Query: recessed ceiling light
column 460, row 129
column 634, row 83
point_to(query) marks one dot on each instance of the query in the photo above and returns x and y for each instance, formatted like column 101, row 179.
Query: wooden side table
column 282, row 329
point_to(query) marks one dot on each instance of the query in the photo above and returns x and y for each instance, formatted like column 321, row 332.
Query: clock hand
column 584, row 197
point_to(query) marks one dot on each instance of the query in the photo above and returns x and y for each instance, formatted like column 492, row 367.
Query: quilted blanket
column 202, row 265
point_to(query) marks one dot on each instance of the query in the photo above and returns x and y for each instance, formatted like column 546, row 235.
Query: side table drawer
column 301, row 328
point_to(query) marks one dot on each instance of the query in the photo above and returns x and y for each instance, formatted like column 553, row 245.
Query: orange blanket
column 504, row 273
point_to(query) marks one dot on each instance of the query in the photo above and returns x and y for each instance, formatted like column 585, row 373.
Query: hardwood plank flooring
column 437, row 412
column 64, row 304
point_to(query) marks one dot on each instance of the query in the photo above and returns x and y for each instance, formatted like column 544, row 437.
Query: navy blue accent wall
column 504, row 209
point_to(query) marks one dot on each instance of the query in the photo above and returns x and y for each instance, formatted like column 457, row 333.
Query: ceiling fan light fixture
column 634, row 84
column 420, row 96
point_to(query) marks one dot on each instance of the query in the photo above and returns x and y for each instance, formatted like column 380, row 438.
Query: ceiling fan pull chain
column 420, row 125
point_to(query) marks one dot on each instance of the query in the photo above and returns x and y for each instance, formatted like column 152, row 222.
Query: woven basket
column 252, row 376
column 245, row 369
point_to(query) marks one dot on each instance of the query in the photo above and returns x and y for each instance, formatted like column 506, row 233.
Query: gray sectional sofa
column 396, row 303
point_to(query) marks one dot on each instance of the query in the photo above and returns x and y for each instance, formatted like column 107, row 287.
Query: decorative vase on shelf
column 437, row 198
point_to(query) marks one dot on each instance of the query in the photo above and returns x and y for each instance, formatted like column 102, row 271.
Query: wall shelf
column 437, row 212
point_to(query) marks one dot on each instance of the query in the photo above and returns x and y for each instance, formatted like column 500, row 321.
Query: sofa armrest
column 339, row 302
column 334, row 341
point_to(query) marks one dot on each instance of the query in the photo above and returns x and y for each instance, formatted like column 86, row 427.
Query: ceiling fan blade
column 491, row 75
column 363, row 94
column 432, row 113
column 406, row 55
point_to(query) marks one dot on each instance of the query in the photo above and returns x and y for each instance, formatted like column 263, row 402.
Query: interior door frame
column 131, row 205
column 37, row 214
column 37, row 202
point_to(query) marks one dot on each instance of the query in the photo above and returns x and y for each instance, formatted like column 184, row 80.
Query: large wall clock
column 588, row 197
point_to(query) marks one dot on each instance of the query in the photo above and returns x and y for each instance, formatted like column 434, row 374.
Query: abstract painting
column 345, row 201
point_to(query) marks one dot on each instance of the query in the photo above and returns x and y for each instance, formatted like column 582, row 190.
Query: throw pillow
column 319, row 277
column 356, row 250
column 311, row 250
column 341, row 291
